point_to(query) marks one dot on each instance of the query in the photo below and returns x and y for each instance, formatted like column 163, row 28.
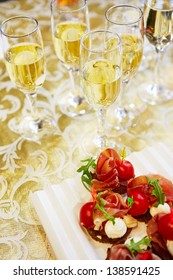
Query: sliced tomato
column 140, row 202
column 86, row 215
column 165, row 225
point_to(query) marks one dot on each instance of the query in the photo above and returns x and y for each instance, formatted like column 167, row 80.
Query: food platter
column 58, row 207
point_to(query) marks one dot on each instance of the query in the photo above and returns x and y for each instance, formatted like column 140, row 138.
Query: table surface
column 26, row 166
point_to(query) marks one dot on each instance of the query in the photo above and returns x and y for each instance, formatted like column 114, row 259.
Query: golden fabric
column 29, row 166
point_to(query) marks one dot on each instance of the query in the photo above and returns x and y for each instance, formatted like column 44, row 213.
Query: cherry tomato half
column 140, row 202
column 125, row 169
column 165, row 226
column 86, row 215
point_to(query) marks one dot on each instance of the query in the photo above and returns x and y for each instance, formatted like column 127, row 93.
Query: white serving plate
column 58, row 207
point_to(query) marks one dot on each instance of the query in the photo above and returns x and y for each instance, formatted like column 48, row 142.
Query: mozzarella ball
column 161, row 208
column 116, row 230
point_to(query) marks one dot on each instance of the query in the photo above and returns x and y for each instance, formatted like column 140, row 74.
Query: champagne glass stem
column 157, row 67
column 74, row 78
column 101, row 138
column 122, row 94
column 32, row 98
column 121, row 111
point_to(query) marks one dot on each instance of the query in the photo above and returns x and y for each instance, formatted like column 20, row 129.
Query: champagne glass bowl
column 25, row 61
column 69, row 21
column 158, row 22
column 100, row 66
column 127, row 21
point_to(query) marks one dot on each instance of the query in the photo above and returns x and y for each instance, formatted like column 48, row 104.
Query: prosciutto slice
column 121, row 252
column 110, row 184
column 158, row 242
column 113, row 204
column 166, row 185
column 142, row 182
column 118, row 252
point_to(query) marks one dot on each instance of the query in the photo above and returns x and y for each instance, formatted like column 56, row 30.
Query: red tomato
column 125, row 169
column 140, row 202
column 146, row 255
column 165, row 226
column 86, row 215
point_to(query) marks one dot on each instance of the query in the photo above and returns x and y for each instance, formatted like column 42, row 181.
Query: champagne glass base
column 38, row 129
column 35, row 129
column 73, row 106
column 155, row 94
column 123, row 118
column 92, row 146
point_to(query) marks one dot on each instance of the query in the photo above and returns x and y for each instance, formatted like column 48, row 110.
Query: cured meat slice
column 158, row 242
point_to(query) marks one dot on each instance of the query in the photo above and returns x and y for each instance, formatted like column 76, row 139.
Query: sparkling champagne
column 101, row 82
column 158, row 20
column 132, row 50
column 67, row 42
column 26, row 66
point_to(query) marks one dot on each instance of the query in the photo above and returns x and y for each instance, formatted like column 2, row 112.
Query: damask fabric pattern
column 26, row 166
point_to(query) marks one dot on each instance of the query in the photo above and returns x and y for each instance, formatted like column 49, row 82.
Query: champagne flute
column 69, row 21
column 25, row 62
column 158, row 22
column 100, row 66
column 127, row 21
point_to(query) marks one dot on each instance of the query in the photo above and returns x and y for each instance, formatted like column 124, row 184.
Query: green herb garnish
column 130, row 201
column 136, row 246
column 100, row 206
column 157, row 192
column 86, row 176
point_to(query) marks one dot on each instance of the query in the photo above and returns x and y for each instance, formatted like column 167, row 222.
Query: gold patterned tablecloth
column 29, row 166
